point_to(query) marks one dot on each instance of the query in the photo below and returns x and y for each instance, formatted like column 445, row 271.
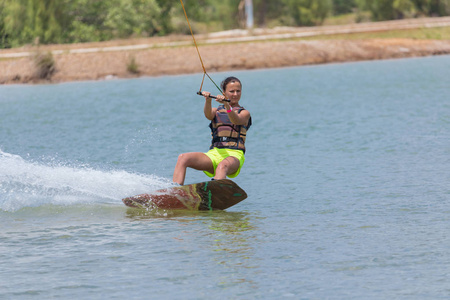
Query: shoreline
column 244, row 50
column 218, row 58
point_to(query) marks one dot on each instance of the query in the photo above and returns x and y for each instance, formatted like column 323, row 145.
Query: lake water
column 347, row 173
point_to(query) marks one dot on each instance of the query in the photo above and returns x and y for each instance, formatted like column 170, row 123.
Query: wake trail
column 31, row 184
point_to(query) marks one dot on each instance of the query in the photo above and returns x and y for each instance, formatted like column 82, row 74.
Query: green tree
column 268, row 10
column 27, row 20
column 227, row 12
column 67, row 21
column 127, row 18
column 381, row 9
column 86, row 20
column 403, row 8
column 166, row 8
column 397, row 9
column 3, row 34
column 433, row 7
column 308, row 12
column 216, row 14
column 343, row 6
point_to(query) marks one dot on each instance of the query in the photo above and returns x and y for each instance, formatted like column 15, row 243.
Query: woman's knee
column 183, row 160
column 228, row 165
column 191, row 160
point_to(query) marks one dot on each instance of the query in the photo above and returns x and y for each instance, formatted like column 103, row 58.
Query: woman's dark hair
column 227, row 80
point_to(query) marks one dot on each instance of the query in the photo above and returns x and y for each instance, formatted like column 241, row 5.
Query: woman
column 229, row 125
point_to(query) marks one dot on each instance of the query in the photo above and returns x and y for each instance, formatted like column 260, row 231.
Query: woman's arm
column 235, row 117
column 208, row 110
column 238, row 118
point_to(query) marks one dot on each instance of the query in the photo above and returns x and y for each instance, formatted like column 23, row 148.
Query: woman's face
column 233, row 92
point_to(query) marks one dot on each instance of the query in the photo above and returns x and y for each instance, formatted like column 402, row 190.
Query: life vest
column 225, row 134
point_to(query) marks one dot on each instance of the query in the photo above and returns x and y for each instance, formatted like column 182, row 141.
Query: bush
column 44, row 65
column 132, row 66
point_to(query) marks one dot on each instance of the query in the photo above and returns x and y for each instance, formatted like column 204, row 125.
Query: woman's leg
column 196, row 160
column 226, row 167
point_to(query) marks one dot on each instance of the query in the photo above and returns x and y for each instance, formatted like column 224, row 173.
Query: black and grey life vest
column 225, row 134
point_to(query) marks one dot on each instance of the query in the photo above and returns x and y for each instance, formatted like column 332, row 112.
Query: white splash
column 30, row 184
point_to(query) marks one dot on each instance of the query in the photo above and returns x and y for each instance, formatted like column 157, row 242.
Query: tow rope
column 200, row 57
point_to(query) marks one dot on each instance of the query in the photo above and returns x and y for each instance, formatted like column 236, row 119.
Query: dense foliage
column 69, row 21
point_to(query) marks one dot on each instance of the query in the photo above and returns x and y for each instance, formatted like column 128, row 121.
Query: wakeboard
column 209, row 195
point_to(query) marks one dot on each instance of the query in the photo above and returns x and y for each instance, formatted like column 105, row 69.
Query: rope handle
column 214, row 97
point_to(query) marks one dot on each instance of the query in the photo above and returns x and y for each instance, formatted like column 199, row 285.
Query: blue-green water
column 347, row 173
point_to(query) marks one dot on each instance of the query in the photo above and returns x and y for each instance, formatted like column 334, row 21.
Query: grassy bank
column 439, row 33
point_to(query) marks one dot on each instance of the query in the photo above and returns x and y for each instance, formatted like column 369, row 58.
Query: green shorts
column 218, row 154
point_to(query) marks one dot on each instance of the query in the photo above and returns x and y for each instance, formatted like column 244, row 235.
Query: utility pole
column 249, row 13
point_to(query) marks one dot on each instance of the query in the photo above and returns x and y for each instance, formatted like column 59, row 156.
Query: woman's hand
column 206, row 95
column 220, row 98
